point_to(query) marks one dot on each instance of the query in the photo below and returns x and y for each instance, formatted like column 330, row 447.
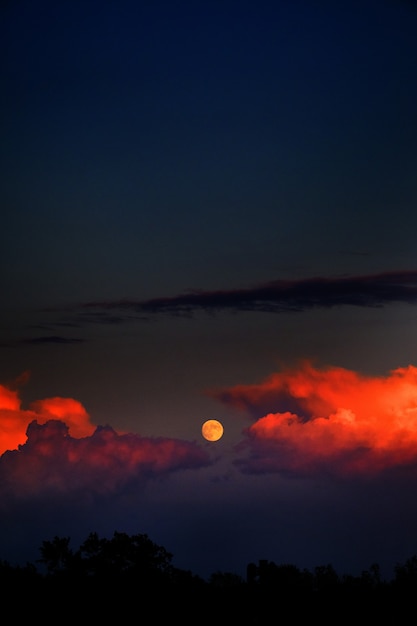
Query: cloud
column 47, row 339
column 52, row 339
column 330, row 420
column 53, row 461
column 14, row 420
column 68, row 410
column 277, row 296
column 54, row 447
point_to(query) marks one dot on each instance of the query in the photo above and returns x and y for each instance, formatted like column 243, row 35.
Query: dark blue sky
column 150, row 149
column 166, row 146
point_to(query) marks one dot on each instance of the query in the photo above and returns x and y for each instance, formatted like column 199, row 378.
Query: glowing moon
column 212, row 430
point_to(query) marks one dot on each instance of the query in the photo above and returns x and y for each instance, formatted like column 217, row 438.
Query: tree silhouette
column 326, row 579
column 108, row 576
column 121, row 557
column 125, row 555
column 56, row 555
column 406, row 574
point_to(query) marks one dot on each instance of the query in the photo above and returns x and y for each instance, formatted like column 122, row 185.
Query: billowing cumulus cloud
column 329, row 420
column 53, row 461
column 54, row 448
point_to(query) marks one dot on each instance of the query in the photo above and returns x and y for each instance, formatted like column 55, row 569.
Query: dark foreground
column 131, row 580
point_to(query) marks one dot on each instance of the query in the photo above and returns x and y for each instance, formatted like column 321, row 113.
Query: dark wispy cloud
column 277, row 296
column 46, row 339
column 372, row 290
column 52, row 339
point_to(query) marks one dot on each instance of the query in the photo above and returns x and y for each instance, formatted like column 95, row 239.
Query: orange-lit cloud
column 69, row 411
column 330, row 419
column 14, row 420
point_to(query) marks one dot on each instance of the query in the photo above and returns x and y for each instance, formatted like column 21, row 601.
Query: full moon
column 212, row 430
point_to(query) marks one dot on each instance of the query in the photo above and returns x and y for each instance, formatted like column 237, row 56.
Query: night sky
column 209, row 211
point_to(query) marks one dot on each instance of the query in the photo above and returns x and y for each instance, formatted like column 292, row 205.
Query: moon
column 212, row 430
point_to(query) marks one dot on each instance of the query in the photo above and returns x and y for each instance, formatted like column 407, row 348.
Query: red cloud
column 68, row 410
column 331, row 419
column 14, row 420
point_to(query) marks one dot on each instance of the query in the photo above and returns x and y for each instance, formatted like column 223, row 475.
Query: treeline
column 110, row 578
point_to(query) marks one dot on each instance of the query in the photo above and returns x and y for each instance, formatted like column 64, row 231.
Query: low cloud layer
column 333, row 420
column 304, row 421
column 54, row 447
column 53, row 461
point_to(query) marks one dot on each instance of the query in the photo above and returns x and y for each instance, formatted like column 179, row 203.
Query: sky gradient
column 209, row 212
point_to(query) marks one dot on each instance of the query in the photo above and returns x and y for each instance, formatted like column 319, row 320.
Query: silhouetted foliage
column 125, row 555
column 56, row 555
column 326, row 578
column 225, row 580
column 406, row 574
column 108, row 576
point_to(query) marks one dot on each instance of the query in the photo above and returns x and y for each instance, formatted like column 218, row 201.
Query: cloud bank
column 54, row 447
column 330, row 420
column 304, row 421
column 53, row 461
